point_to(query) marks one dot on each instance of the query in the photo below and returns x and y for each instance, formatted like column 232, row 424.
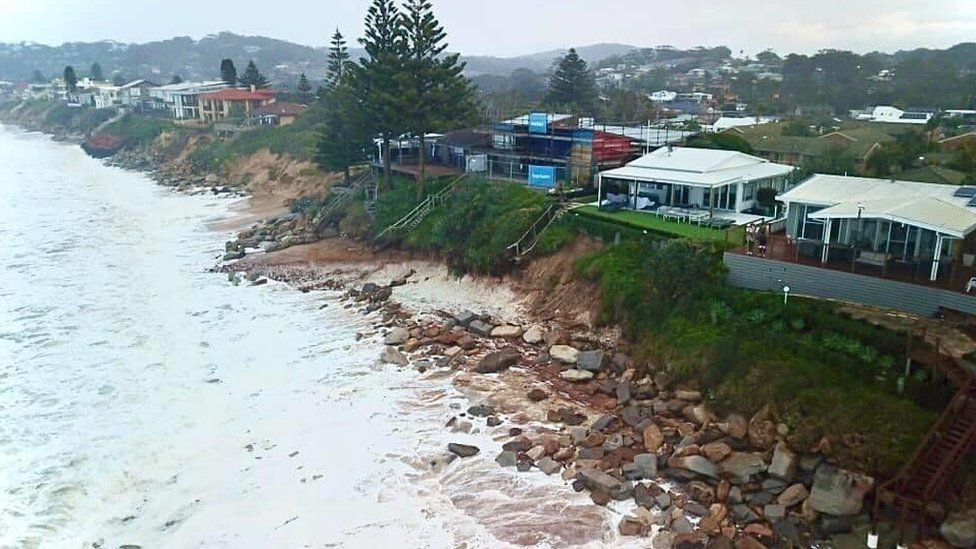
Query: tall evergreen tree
column 253, row 77
column 96, row 72
column 344, row 140
column 378, row 75
column 572, row 85
column 304, row 88
column 70, row 79
column 37, row 77
column 177, row 79
column 338, row 61
column 228, row 72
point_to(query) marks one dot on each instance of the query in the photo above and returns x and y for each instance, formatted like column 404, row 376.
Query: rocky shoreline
column 692, row 479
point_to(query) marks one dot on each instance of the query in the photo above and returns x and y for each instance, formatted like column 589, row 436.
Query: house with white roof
column 728, row 122
column 182, row 99
column 692, row 179
column 886, row 223
column 893, row 115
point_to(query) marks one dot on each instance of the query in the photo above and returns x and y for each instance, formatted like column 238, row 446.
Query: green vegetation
column 70, row 79
column 824, row 373
column 724, row 140
column 474, row 227
column 571, row 87
column 652, row 223
column 138, row 130
column 253, row 77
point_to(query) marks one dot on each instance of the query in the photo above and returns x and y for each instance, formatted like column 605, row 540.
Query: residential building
column 955, row 142
column 726, row 122
column 663, row 96
column 768, row 141
column 182, row 100
column 137, row 95
column 893, row 115
column 709, row 179
column 104, row 95
column 227, row 102
column 279, row 113
column 890, row 224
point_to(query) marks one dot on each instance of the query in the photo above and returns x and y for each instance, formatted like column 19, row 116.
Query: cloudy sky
column 512, row 27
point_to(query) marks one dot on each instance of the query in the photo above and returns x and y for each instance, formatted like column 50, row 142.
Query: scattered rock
column 520, row 444
column 537, row 395
column 507, row 331
column 653, row 437
column 507, row 458
column 794, row 495
column 716, row 451
column 576, row 375
column 480, row 328
column 462, row 450
column 392, row 356
column 688, row 396
column 644, row 466
column 631, row 526
column 762, row 430
column 595, row 479
column 742, row 465
column 481, row 410
column 564, row 354
column 774, row 512
column 600, row 497
column 548, row 465
column 591, row 361
column 534, row 335
column 838, row 491
column 736, row 426
column 497, row 361
column 959, row 529
column 396, row 336
column 696, row 464
column 783, row 464
column 465, row 317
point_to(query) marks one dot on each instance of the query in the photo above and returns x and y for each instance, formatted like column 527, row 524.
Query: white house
column 893, row 115
column 137, row 95
column 727, row 122
column 663, row 96
column 882, row 222
column 182, row 100
column 711, row 179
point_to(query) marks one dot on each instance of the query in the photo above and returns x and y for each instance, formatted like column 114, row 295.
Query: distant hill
column 200, row 59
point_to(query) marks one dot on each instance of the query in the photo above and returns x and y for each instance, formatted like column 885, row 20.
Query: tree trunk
column 422, row 160
column 386, row 161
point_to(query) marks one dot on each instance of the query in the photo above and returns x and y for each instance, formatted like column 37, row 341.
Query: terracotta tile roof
column 235, row 94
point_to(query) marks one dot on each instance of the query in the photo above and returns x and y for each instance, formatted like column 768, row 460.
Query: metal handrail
column 422, row 209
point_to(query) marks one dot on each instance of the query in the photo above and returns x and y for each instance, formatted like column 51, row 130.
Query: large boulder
column 497, row 361
column 959, row 529
column 465, row 317
column 591, row 361
column 794, row 495
column 462, row 450
column 564, row 354
column 396, row 336
column 595, row 479
column 838, row 492
column 762, row 430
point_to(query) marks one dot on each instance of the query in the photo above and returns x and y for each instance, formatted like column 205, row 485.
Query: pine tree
column 70, row 79
column 253, row 77
column 96, row 72
column 344, row 140
column 228, row 72
column 37, row 77
column 378, row 75
column 304, row 88
column 572, row 85
column 436, row 93
column 338, row 61
column 177, row 79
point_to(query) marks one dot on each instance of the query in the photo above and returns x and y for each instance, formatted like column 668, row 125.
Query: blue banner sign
column 538, row 122
column 542, row 176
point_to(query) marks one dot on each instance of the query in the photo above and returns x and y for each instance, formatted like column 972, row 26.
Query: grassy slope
column 659, row 225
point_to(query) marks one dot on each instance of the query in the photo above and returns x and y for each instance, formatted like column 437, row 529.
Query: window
column 811, row 228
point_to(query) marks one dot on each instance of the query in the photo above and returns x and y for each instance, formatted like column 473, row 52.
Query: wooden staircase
column 530, row 239
column 415, row 216
column 926, row 476
column 341, row 194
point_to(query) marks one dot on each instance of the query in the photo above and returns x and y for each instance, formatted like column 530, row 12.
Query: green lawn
column 656, row 224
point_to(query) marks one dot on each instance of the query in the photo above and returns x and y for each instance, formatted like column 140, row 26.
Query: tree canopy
column 228, row 72
column 253, row 77
column 572, row 85
column 344, row 140
column 95, row 73
column 304, row 88
column 177, row 79
column 70, row 79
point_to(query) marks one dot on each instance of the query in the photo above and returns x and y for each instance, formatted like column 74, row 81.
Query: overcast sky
column 513, row 27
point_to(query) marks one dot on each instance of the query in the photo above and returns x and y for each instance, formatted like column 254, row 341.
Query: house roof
column 926, row 205
column 183, row 86
column 698, row 167
column 279, row 108
column 236, row 94
column 934, row 174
